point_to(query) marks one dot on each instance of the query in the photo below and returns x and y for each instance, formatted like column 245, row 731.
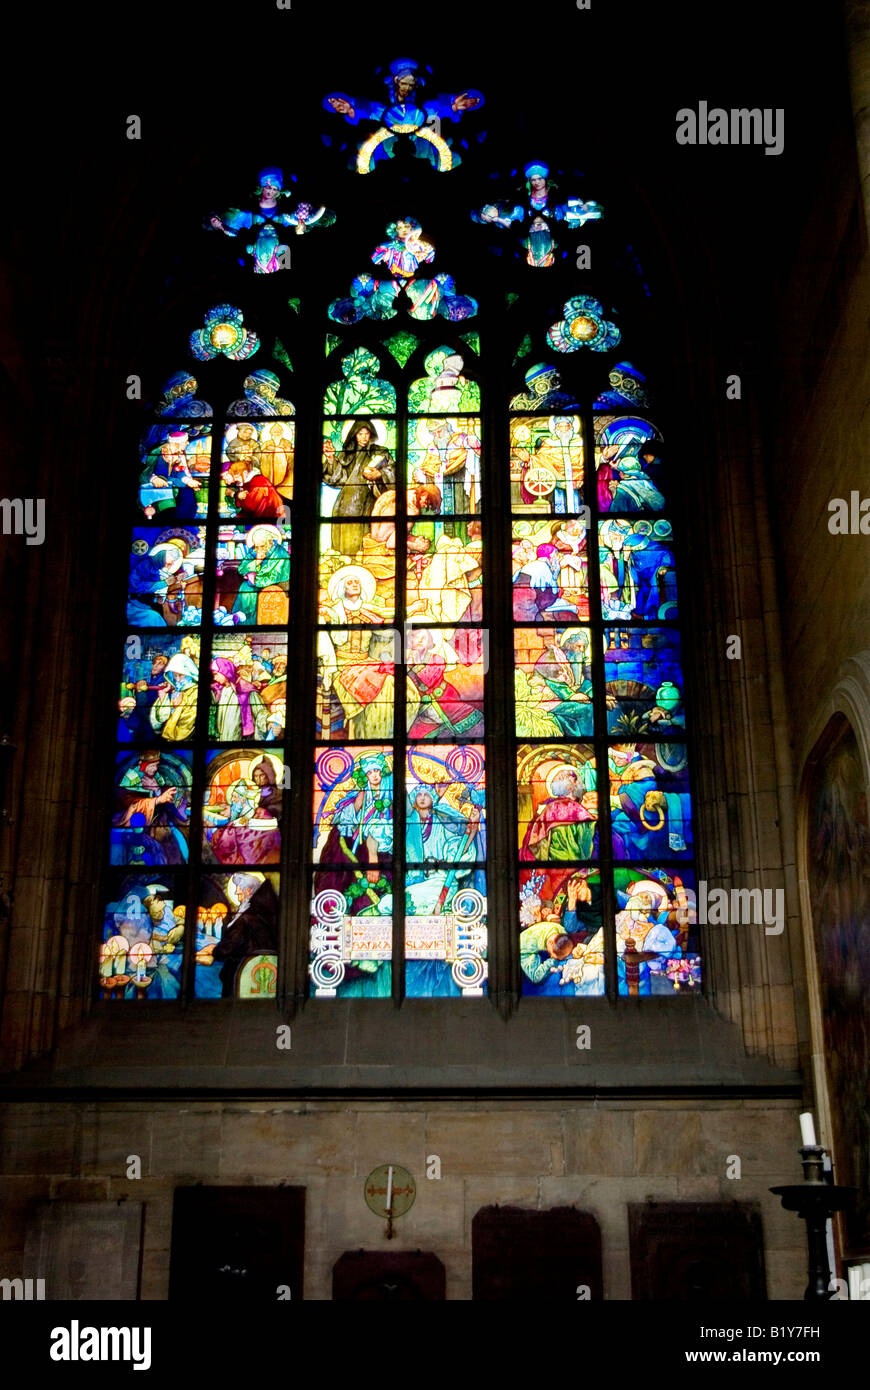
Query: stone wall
column 818, row 448
column 596, row 1156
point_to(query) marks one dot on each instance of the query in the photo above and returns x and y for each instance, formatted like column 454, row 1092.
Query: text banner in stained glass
column 351, row 933
column 445, row 932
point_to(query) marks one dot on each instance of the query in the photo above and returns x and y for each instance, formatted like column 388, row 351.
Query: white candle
column 390, row 1188
column 808, row 1129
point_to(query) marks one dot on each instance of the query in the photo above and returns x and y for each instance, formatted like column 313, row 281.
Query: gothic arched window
column 442, row 752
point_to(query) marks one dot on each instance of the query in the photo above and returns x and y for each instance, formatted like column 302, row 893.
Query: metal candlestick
column 815, row 1200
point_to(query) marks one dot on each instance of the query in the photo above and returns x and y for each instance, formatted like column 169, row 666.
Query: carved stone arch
column 845, row 713
column 849, row 697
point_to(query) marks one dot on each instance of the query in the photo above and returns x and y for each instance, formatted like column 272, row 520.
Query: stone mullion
column 605, row 860
column 296, row 879
column 733, row 523
column 400, row 681
column 200, row 743
column 502, row 883
column 782, row 955
column 42, row 801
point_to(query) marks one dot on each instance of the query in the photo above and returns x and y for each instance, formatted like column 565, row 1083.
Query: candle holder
column 815, row 1200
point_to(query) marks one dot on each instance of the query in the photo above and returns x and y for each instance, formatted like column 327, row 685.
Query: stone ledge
column 341, row 1047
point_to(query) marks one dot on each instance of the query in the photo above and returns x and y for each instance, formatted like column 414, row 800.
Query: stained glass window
column 273, row 212
column 604, row 829
column 201, row 713
column 532, row 210
column 400, row 794
column 451, row 494
column 406, row 109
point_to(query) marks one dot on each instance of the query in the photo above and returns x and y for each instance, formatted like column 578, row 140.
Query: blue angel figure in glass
column 405, row 112
column 268, row 222
column 537, row 211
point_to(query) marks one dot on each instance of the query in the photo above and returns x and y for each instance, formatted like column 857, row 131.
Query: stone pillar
column 858, row 40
